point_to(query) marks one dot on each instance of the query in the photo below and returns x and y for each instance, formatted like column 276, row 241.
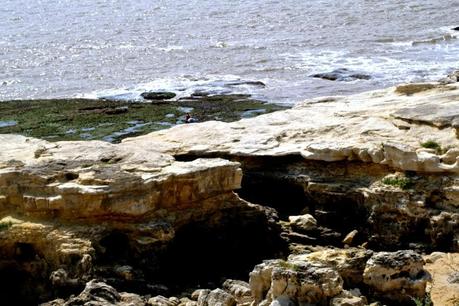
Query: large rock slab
column 95, row 179
column 384, row 127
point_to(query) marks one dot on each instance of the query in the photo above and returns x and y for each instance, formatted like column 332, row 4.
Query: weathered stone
column 217, row 297
column 195, row 295
column 349, row 298
column 409, row 89
column 303, row 223
column 239, row 290
column 350, row 263
column 350, row 237
column 396, row 276
column 294, row 282
column 444, row 287
column 162, row 301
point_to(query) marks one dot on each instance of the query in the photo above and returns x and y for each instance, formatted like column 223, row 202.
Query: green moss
column 431, row 144
column 78, row 119
column 4, row 225
column 400, row 182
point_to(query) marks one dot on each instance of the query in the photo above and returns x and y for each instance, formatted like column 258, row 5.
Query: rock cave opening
column 285, row 197
column 115, row 247
column 204, row 254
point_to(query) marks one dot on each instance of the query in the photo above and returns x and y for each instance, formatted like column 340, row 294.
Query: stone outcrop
column 378, row 164
column 397, row 276
column 444, row 269
column 293, row 282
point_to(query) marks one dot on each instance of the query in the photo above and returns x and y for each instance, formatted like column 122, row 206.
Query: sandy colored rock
column 358, row 127
column 303, row 223
column 444, row 287
column 349, row 298
column 293, row 282
column 396, row 276
column 350, row 263
column 350, row 237
column 217, row 297
column 240, row 290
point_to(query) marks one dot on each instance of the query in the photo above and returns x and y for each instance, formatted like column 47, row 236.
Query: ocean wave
column 383, row 69
column 184, row 86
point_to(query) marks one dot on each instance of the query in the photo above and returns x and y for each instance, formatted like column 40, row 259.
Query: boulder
column 396, row 276
column 349, row 263
column 303, row 223
column 217, row 297
column 294, row 282
column 349, row 298
column 240, row 290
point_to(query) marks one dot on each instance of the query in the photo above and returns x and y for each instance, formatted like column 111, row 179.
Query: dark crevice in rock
column 17, row 286
column 204, row 255
column 287, row 198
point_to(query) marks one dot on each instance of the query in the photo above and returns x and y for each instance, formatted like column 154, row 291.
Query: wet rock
column 250, row 83
column 396, row 276
column 342, row 74
column 455, row 29
column 158, row 95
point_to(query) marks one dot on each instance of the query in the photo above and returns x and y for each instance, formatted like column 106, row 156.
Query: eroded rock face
column 396, row 276
column 444, row 267
column 88, row 209
column 349, row 263
column 294, row 282
column 121, row 211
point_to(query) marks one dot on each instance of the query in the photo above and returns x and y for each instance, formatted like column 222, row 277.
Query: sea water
column 120, row 48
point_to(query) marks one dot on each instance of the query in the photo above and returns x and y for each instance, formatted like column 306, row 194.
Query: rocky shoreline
column 114, row 120
column 337, row 201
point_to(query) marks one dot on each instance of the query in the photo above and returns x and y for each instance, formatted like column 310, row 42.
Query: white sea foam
column 183, row 86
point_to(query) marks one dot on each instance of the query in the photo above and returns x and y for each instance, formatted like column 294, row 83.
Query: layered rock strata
column 377, row 169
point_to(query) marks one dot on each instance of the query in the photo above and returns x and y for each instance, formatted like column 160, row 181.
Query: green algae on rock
column 77, row 119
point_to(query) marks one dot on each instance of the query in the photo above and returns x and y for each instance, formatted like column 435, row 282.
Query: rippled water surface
column 67, row 48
